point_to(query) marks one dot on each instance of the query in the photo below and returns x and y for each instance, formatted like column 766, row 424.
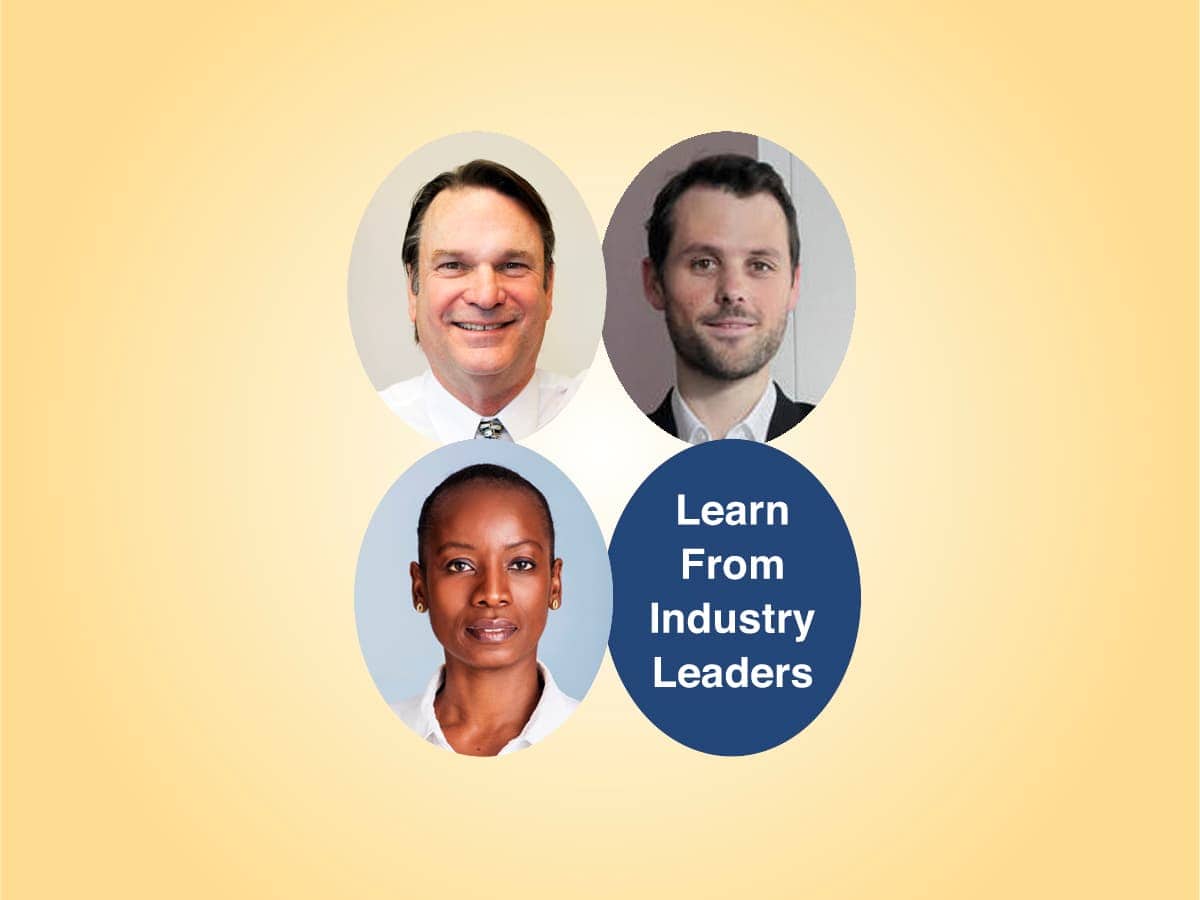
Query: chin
column 484, row 366
column 494, row 660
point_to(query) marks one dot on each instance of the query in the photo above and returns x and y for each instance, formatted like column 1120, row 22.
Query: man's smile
column 482, row 326
column 730, row 326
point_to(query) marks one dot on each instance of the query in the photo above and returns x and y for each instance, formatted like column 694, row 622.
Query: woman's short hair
column 486, row 473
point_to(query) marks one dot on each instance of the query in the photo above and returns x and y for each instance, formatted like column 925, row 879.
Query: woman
column 487, row 576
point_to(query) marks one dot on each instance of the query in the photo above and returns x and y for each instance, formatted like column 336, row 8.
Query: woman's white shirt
column 553, row 708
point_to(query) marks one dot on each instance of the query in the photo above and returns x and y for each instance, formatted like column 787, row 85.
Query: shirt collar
column 752, row 428
column 552, row 709
column 455, row 421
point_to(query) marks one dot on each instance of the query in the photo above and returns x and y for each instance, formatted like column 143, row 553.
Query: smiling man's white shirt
column 432, row 410
column 553, row 708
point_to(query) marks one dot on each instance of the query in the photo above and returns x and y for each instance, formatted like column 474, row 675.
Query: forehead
column 707, row 215
column 479, row 505
column 478, row 220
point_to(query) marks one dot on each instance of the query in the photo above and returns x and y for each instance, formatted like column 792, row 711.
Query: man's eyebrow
column 713, row 250
column 519, row 254
column 710, row 249
column 509, row 254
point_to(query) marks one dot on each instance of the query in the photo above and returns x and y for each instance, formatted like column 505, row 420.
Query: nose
column 732, row 287
column 492, row 589
column 486, row 291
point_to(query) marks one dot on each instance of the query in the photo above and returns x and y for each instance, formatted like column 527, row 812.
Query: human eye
column 523, row 565
column 702, row 264
column 762, row 266
column 451, row 267
column 459, row 565
column 514, row 267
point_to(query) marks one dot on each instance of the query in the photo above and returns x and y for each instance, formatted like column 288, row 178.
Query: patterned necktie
column 490, row 428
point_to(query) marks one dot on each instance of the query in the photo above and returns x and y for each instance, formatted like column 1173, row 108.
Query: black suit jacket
column 787, row 414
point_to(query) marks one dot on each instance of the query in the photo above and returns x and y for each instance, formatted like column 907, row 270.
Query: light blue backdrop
column 398, row 644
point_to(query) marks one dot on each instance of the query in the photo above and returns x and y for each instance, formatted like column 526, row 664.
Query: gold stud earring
column 420, row 607
column 554, row 604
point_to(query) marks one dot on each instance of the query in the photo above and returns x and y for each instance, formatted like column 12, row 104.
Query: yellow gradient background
column 191, row 452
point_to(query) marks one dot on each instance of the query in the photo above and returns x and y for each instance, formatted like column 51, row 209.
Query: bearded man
column 724, row 269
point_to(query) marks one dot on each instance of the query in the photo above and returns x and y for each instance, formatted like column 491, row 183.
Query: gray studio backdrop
column 397, row 643
column 818, row 330
column 379, row 320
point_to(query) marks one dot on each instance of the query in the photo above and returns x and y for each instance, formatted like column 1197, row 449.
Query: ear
column 652, row 285
column 556, row 584
column 419, row 594
column 795, row 292
column 549, row 290
column 412, row 297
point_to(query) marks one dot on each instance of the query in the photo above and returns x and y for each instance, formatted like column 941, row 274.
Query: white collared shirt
column 752, row 428
column 428, row 407
column 553, row 708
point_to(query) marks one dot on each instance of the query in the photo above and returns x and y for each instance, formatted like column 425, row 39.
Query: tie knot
column 490, row 428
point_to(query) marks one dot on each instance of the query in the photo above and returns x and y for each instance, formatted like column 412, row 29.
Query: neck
column 718, row 403
column 489, row 698
column 485, row 395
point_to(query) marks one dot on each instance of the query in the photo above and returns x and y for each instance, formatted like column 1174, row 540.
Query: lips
column 481, row 326
column 492, row 631
column 730, row 325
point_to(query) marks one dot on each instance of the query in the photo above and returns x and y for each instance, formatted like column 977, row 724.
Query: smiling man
column 724, row 269
column 479, row 258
